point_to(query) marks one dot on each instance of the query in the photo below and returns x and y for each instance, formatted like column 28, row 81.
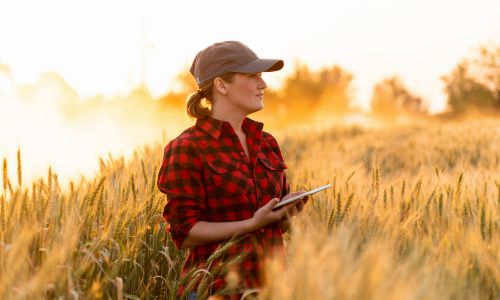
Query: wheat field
column 414, row 214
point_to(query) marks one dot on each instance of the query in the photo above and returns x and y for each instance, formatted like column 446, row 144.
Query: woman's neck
column 232, row 117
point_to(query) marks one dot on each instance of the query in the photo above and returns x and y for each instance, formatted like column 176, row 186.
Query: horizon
column 102, row 50
column 110, row 48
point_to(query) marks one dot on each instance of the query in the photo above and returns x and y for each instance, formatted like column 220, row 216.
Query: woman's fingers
column 300, row 205
column 266, row 214
column 289, row 210
column 269, row 205
column 284, row 225
column 293, row 211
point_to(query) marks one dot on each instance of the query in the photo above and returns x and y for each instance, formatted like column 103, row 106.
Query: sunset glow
column 110, row 48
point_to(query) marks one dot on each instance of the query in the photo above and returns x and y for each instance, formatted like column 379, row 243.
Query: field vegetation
column 414, row 214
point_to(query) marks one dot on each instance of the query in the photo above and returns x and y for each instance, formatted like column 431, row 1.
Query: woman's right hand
column 266, row 214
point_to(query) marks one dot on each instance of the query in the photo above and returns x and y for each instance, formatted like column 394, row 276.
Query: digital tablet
column 281, row 203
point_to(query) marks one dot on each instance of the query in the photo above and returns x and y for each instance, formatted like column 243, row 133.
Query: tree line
column 305, row 95
column 473, row 84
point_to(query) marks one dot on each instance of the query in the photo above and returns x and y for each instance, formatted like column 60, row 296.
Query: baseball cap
column 229, row 56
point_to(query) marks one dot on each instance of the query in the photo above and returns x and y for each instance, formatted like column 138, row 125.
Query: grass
column 414, row 214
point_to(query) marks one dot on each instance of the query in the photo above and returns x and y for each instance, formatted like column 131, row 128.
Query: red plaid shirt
column 207, row 177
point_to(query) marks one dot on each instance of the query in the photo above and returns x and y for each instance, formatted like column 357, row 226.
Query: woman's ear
column 220, row 86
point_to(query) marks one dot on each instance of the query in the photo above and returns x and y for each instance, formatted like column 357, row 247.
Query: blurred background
column 83, row 79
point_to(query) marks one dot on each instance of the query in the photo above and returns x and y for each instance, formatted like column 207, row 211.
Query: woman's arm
column 203, row 232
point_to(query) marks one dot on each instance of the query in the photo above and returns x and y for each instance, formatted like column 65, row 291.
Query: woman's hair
column 195, row 108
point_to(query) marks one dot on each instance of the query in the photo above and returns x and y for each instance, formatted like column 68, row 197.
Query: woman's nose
column 262, row 84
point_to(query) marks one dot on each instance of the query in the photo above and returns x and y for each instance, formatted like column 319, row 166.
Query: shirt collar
column 214, row 127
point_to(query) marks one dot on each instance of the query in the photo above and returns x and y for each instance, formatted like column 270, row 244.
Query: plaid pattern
column 207, row 177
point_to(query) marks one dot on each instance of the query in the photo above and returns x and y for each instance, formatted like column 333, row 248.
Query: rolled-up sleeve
column 180, row 178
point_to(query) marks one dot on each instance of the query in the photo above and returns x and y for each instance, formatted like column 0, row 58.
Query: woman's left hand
column 285, row 224
column 293, row 209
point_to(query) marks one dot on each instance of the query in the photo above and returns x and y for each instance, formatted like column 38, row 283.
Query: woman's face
column 246, row 92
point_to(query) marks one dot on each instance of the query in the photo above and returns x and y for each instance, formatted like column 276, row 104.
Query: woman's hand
column 285, row 223
column 203, row 232
column 296, row 206
column 266, row 214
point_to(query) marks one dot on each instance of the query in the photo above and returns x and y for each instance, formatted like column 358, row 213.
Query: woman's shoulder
column 182, row 149
column 270, row 144
column 186, row 139
column 269, row 139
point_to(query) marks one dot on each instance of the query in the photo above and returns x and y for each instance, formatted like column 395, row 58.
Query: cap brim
column 260, row 65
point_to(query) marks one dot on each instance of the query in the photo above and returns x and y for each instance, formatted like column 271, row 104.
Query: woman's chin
column 258, row 107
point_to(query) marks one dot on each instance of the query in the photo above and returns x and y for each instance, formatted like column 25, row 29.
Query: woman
column 223, row 176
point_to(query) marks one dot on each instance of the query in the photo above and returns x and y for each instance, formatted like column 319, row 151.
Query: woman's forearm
column 203, row 232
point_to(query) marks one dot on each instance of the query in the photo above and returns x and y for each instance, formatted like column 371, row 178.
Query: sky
column 108, row 47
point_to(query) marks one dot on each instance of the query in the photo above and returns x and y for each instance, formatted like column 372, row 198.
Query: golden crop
column 414, row 214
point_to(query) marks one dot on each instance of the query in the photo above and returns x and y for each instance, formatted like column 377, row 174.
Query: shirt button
column 242, row 153
column 262, row 230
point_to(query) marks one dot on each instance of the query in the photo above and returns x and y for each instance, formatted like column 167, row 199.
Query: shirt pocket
column 225, row 178
column 272, row 177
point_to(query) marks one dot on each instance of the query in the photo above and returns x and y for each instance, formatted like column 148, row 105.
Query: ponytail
column 196, row 108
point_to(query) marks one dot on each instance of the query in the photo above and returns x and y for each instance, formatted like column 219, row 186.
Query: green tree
column 391, row 97
column 475, row 82
column 336, row 93
column 302, row 85
column 328, row 90
column 488, row 68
